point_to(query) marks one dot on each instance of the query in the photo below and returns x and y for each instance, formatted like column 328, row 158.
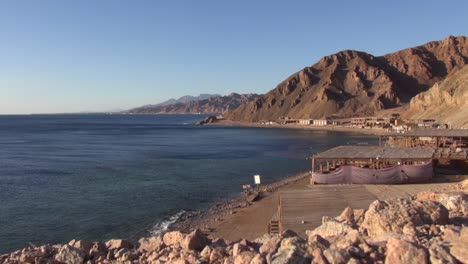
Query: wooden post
column 334, row 164
column 321, row 167
column 313, row 164
column 328, row 165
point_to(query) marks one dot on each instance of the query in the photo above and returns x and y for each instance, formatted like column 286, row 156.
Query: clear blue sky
column 68, row 56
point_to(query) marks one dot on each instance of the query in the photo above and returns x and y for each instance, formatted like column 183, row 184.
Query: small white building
column 306, row 121
column 321, row 122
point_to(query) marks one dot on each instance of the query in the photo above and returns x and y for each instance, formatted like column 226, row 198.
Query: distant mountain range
column 355, row 83
column 204, row 103
column 186, row 99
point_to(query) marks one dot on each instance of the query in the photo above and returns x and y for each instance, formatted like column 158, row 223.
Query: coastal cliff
column 427, row 228
column 351, row 83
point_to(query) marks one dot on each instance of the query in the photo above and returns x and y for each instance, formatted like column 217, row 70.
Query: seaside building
column 321, row 122
column 437, row 138
column 450, row 145
column 372, row 165
column 306, row 121
column 383, row 122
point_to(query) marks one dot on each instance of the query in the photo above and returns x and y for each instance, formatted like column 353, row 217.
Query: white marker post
column 257, row 180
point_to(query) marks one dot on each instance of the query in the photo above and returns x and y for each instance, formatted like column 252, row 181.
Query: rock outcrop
column 416, row 230
column 446, row 101
column 351, row 83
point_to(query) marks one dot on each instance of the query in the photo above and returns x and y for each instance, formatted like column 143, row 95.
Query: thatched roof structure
column 373, row 152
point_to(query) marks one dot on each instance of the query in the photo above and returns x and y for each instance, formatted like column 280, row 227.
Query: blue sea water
column 96, row 177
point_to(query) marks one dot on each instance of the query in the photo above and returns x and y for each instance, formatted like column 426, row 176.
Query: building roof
column 433, row 133
column 372, row 152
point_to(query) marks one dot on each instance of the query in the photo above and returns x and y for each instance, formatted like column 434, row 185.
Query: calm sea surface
column 107, row 176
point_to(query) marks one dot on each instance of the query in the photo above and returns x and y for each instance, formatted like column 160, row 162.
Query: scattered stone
column 244, row 257
column 456, row 238
column 336, row 255
column 401, row 251
column 217, row 254
column 440, row 255
column 330, row 228
column 118, row 244
column 205, row 253
column 195, row 241
column 83, row 245
column 69, row 255
column 173, row 237
column 150, row 244
column 270, row 246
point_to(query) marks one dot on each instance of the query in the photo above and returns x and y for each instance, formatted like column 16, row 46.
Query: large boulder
column 195, row 241
column 98, row 249
column 82, row 245
column 402, row 216
column 455, row 202
column 401, row 251
column 244, row 258
column 150, row 244
column 291, row 251
column 217, row 254
column 114, row 244
column 270, row 245
column 330, row 228
column 69, row 255
column 456, row 238
column 336, row 255
column 440, row 255
column 173, row 237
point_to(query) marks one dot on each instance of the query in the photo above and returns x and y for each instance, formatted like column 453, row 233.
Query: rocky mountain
column 352, row 83
column 186, row 99
column 215, row 104
column 446, row 101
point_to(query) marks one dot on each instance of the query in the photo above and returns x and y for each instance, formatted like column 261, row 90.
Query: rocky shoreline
column 430, row 227
column 204, row 220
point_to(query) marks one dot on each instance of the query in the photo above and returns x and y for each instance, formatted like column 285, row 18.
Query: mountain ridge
column 211, row 105
column 354, row 83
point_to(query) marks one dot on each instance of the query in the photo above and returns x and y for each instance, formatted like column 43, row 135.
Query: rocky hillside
column 351, row 83
column 446, row 101
column 215, row 104
column 429, row 228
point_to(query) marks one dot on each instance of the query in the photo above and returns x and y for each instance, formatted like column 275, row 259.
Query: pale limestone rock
column 271, row 245
column 150, row 244
column 172, row 238
column 244, row 257
column 205, row 253
column 401, row 251
column 456, row 238
column 118, row 244
column 336, row 255
column 391, row 216
column 440, row 255
column 258, row 259
column 69, row 255
column 330, row 228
